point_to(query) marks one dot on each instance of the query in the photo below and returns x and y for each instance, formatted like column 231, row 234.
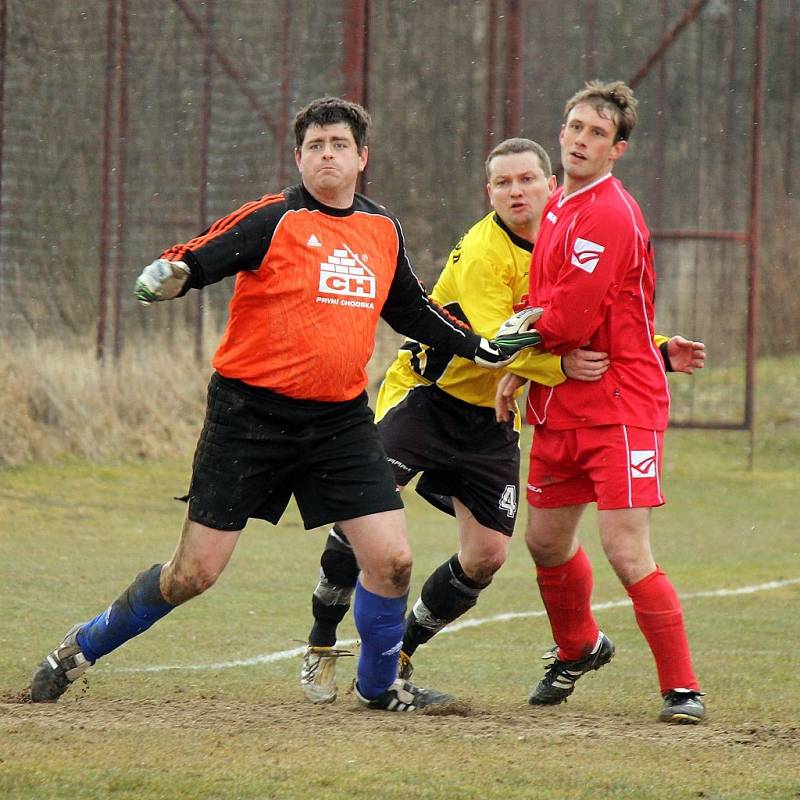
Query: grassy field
column 207, row 704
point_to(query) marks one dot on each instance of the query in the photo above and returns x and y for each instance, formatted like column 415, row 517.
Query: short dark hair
column 615, row 98
column 329, row 111
column 516, row 145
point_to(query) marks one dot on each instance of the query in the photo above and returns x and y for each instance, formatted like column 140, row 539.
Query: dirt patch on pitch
column 296, row 718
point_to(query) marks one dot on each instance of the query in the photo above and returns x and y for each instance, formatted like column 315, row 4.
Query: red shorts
column 616, row 466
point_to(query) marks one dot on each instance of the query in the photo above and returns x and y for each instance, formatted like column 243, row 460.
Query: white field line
column 294, row 652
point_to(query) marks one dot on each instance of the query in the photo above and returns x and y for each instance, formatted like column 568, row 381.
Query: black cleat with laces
column 404, row 696
column 682, row 707
column 559, row 678
column 59, row 670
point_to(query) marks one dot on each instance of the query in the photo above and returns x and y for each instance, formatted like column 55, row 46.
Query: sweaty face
column 588, row 150
column 518, row 190
column 330, row 163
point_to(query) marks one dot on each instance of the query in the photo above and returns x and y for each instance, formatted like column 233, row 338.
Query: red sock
column 658, row 612
column 567, row 594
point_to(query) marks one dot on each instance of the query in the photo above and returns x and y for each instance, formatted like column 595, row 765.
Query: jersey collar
column 313, row 204
column 566, row 198
column 517, row 240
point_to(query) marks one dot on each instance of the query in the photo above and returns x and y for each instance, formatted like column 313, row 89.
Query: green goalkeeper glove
column 513, row 335
column 503, row 349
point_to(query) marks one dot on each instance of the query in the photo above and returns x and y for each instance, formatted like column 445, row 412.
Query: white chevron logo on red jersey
column 586, row 254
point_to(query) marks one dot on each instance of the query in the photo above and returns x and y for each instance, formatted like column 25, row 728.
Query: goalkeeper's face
column 330, row 163
column 518, row 190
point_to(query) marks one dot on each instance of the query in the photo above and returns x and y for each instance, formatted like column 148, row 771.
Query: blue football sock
column 379, row 621
column 132, row 613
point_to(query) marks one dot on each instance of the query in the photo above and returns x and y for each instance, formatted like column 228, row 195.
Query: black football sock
column 337, row 579
column 446, row 595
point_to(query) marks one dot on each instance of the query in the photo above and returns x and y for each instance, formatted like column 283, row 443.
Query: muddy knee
column 178, row 585
column 399, row 572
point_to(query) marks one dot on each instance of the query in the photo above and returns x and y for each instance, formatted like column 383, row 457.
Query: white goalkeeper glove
column 161, row 280
column 521, row 321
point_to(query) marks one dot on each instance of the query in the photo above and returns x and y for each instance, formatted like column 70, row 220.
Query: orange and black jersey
column 311, row 283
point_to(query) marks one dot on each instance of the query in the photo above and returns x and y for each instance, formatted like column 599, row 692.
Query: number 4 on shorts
column 508, row 500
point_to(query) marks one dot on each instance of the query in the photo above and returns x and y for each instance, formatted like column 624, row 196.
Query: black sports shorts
column 461, row 451
column 258, row 448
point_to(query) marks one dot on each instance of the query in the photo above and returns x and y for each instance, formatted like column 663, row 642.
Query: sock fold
column 566, row 592
column 132, row 613
column 660, row 617
column 379, row 621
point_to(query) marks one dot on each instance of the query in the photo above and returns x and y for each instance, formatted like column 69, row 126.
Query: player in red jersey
column 316, row 265
column 592, row 273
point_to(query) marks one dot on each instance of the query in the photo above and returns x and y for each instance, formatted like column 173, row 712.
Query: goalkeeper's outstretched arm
column 161, row 280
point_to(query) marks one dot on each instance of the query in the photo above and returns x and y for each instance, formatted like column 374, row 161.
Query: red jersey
column 311, row 284
column 592, row 273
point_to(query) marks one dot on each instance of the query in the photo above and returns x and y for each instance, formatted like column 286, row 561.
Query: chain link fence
column 128, row 126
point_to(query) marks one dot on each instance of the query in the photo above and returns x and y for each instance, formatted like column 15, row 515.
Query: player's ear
column 297, row 157
column 363, row 157
column 618, row 149
column 552, row 184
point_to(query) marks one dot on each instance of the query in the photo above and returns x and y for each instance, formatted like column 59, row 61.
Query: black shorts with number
column 259, row 448
column 461, row 450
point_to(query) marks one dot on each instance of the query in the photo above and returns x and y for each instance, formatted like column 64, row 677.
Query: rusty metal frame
column 122, row 152
column 355, row 69
column 355, row 59
column 754, row 225
column 3, row 32
column 114, row 158
column 512, row 88
column 751, row 237
column 490, row 136
column 515, row 36
column 205, row 134
column 105, row 180
column 228, row 66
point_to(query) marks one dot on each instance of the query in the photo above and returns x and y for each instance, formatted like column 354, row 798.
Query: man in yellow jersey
column 436, row 416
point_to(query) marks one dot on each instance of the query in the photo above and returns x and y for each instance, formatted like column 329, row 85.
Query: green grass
column 73, row 535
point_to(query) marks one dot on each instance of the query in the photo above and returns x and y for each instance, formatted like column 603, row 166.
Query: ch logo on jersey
column 643, row 463
column 345, row 274
column 586, row 254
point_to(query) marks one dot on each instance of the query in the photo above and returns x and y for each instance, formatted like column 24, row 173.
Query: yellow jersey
column 485, row 276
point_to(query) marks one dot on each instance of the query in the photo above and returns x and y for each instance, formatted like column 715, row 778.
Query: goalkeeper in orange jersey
column 316, row 266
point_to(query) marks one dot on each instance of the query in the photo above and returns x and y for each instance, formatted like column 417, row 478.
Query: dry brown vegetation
column 58, row 401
